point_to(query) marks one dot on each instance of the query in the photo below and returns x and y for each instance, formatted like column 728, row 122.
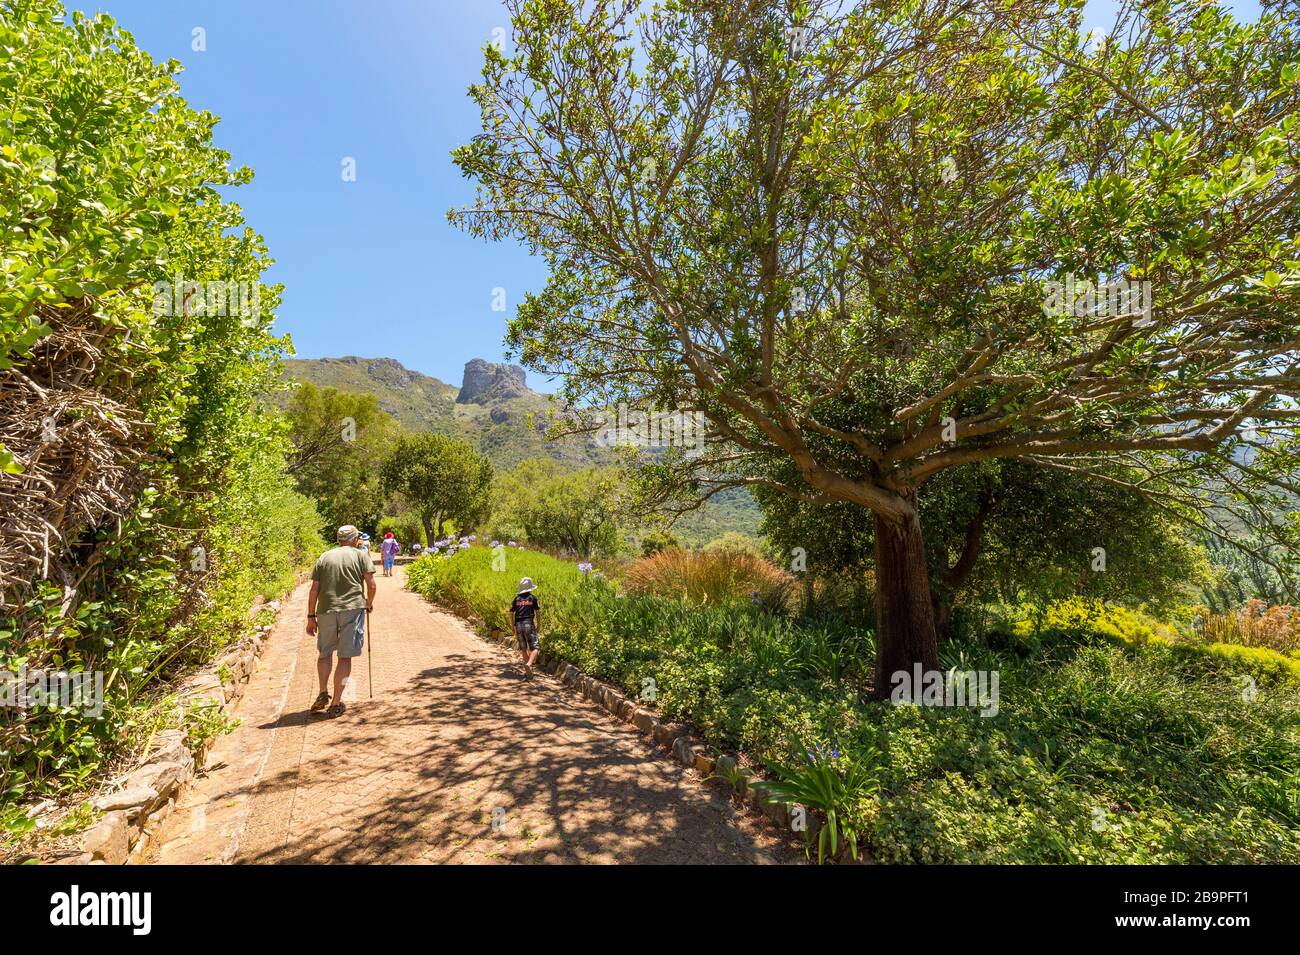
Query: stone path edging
column 686, row 749
column 136, row 809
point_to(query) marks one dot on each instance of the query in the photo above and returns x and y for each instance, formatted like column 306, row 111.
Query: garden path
column 455, row 759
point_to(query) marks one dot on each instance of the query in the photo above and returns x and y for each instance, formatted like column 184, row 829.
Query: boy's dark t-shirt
column 524, row 607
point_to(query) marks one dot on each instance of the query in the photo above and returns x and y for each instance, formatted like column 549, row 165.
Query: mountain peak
column 486, row 381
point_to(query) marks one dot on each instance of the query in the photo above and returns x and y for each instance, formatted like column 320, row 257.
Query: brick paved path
column 452, row 741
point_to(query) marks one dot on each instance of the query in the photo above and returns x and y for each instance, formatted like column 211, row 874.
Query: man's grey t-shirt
column 341, row 574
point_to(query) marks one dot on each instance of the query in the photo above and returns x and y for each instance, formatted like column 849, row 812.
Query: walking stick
column 370, row 657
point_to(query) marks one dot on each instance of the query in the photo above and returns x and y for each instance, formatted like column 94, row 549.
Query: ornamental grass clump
column 713, row 577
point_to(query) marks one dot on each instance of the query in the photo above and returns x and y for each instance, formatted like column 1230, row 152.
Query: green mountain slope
column 495, row 410
column 505, row 423
column 419, row 402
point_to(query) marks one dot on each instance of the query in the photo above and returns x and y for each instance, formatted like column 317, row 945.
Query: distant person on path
column 388, row 551
column 342, row 593
column 525, row 619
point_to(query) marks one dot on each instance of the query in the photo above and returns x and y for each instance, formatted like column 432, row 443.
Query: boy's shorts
column 526, row 635
column 342, row 632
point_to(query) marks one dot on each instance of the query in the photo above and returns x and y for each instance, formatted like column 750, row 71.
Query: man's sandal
column 321, row 703
column 335, row 710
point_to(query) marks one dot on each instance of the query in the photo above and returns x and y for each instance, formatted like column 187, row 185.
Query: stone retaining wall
column 137, row 804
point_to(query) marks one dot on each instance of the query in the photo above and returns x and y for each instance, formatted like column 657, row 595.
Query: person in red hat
column 388, row 551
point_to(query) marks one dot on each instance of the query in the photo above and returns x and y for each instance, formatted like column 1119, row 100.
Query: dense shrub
column 655, row 541
column 735, row 542
column 405, row 527
column 119, row 260
column 1078, row 619
column 1078, row 616
column 1259, row 662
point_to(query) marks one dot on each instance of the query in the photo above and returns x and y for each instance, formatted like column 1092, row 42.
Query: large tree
column 575, row 511
column 880, row 240
column 1010, row 531
column 441, row 478
column 340, row 440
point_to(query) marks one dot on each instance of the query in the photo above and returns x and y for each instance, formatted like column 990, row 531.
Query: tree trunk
column 950, row 585
column 431, row 526
column 905, row 633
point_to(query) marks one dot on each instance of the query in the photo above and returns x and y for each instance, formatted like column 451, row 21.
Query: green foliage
column 696, row 187
column 1258, row 662
column 829, row 782
column 575, row 512
column 1103, row 750
column 110, row 195
column 440, row 478
column 1078, row 620
column 735, row 542
column 656, row 541
column 204, row 723
column 407, row 528
column 1239, row 573
column 340, row 440
column 731, row 510
column 1011, row 532
column 1084, row 617
column 1099, row 754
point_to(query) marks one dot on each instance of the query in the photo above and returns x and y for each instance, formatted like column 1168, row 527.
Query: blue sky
column 370, row 267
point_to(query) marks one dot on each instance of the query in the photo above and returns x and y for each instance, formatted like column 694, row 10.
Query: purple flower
column 818, row 752
column 584, row 568
column 495, row 544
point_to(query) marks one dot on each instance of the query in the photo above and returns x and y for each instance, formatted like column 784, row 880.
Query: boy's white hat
column 526, row 585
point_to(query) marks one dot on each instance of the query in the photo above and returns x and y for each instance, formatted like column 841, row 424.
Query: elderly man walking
column 342, row 593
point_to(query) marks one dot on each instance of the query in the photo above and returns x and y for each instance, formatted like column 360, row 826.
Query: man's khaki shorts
column 342, row 632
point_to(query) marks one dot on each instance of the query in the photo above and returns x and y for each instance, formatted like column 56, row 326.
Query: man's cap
column 526, row 585
column 347, row 534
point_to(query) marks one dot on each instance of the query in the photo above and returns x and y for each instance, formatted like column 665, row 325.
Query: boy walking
column 342, row 593
column 525, row 619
